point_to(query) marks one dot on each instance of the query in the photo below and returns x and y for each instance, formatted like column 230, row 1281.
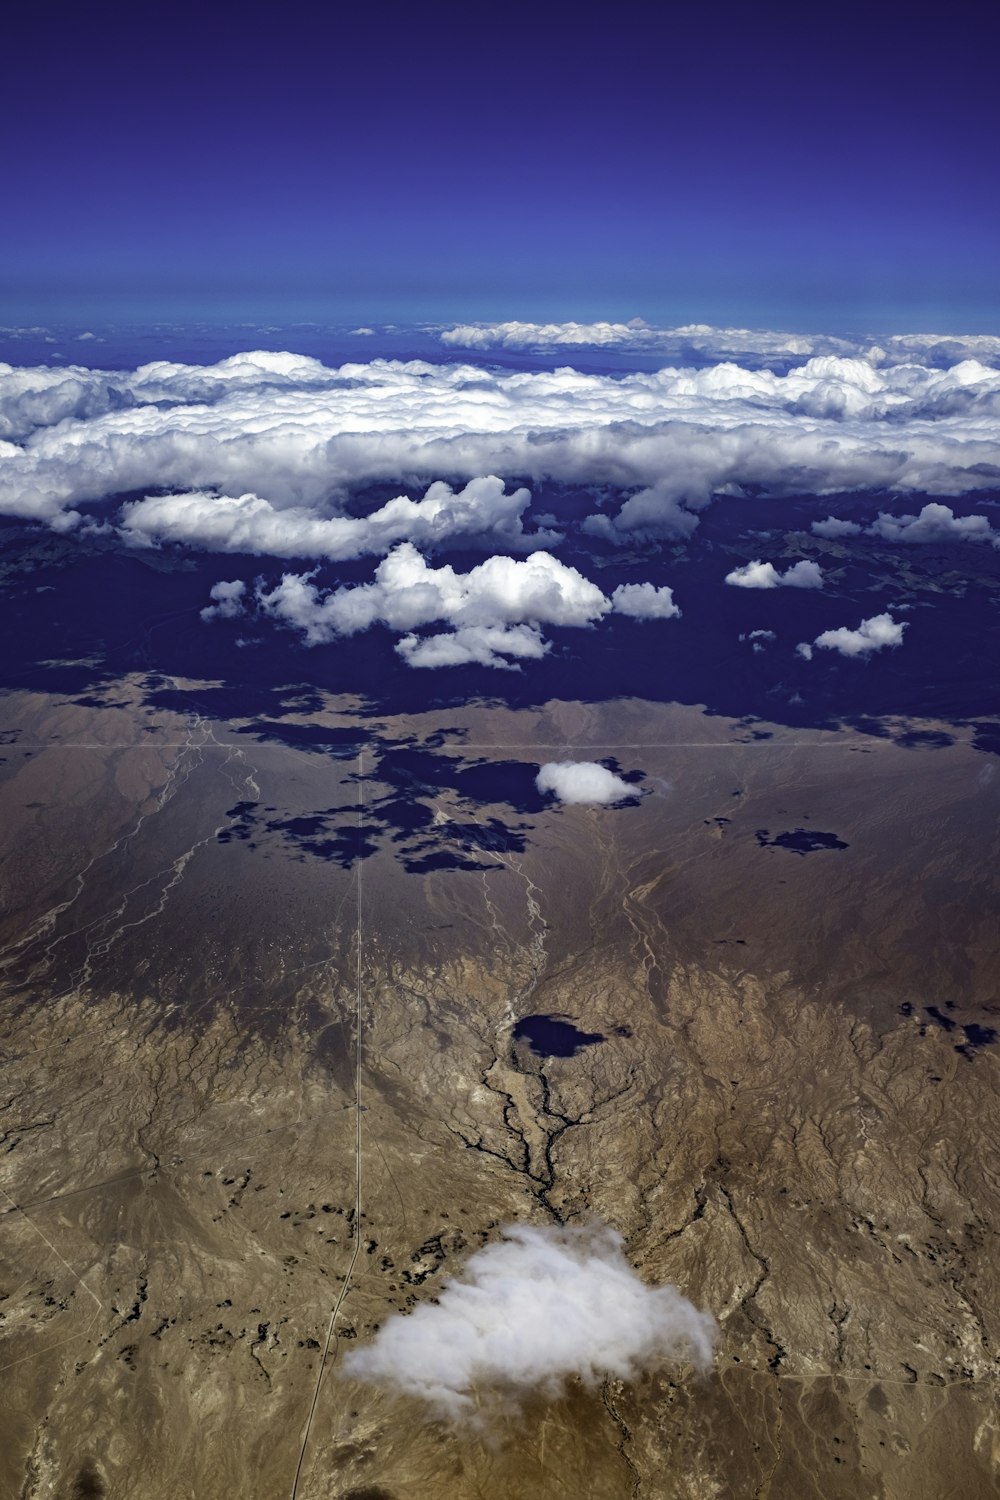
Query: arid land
column 259, row 1093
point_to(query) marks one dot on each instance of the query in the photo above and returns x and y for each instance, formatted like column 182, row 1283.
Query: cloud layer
column 261, row 451
column 937, row 350
column 530, row 1313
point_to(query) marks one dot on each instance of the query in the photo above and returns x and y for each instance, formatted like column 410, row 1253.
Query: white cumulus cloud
column 707, row 341
column 764, row 575
column 833, row 528
column 482, row 514
column 482, row 645
column 935, row 523
column 584, row 782
column 645, row 601
column 282, row 430
column 874, row 634
column 495, row 610
column 529, row 1314
column 228, row 599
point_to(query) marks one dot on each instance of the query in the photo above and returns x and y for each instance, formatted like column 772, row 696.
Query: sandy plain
column 259, row 1094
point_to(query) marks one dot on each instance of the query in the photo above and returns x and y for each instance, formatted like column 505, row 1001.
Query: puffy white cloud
column 760, row 640
column 754, row 575
column 481, row 606
column 283, row 429
column 495, row 611
column 482, row 514
column 764, row 575
column 654, row 512
column 833, row 528
column 935, row 523
column 484, row 645
column 228, row 599
column 519, row 335
column 703, row 339
column 644, row 601
column 939, row 349
column 530, row 1313
column 874, row 634
column 584, row 782
column 37, row 397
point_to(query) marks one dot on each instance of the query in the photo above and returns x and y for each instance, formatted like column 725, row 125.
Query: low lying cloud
column 764, row 575
column 529, row 1314
column 833, row 528
column 934, row 350
column 479, row 645
column 519, row 335
column 495, row 611
column 481, row 514
column 935, row 523
column 874, row 634
column 687, row 339
column 582, row 782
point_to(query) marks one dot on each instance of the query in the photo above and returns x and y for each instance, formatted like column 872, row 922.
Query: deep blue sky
column 812, row 167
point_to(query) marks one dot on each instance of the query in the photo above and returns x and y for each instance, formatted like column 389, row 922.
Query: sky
column 808, row 167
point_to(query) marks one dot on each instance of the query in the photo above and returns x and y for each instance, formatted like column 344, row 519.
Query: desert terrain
column 264, row 1087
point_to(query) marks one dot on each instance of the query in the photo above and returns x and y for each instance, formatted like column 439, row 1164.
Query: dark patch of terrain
column 554, row 1036
column 800, row 840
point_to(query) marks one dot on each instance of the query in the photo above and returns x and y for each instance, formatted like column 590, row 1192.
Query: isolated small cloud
column 874, row 634
column 759, row 639
column 582, row 782
column 764, row 575
column 645, row 601
column 480, row 645
column 228, row 600
column 530, row 1313
column 833, row 527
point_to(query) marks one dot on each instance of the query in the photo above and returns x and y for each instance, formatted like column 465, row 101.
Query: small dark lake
column 553, row 1036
